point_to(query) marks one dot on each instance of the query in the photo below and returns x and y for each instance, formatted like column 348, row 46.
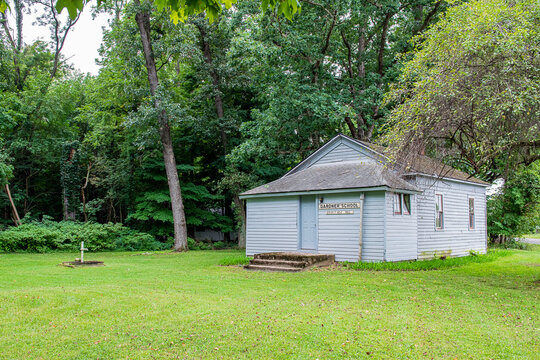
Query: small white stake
column 83, row 249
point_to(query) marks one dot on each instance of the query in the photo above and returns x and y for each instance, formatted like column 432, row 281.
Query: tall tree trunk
column 180, row 230
column 16, row 217
column 242, row 231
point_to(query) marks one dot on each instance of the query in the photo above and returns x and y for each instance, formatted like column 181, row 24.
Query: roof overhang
column 442, row 178
column 330, row 191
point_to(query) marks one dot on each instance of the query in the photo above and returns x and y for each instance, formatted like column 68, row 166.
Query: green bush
column 67, row 236
column 202, row 245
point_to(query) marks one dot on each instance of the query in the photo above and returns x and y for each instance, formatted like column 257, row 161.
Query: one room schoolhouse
column 343, row 200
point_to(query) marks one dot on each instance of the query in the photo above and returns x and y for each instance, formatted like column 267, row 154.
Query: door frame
column 299, row 223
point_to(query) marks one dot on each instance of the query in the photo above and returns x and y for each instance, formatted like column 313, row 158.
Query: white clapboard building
column 343, row 200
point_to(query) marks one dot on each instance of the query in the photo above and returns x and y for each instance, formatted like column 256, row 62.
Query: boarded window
column 406, row 204
column 471, row 213
column 439, row 211
column 397, row 204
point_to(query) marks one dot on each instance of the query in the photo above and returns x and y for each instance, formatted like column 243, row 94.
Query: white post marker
column 83, row 249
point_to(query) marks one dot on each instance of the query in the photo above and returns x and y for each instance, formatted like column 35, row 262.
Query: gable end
column 339, row 149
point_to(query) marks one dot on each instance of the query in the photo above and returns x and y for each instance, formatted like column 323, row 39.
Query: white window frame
column 398, row 201
column 472, row 226
column 441, row 211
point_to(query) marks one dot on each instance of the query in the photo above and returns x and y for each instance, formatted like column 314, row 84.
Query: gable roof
column 333, row 143
column 335, row 176
column 312, row 176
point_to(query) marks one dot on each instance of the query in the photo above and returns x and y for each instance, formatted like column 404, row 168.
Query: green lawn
column 186, row 306
column 531, row 236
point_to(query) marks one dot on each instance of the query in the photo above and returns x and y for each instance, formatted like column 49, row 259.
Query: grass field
column 531, row 236
column 167, row 305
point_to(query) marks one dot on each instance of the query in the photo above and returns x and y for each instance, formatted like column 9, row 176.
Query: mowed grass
column 167, row 305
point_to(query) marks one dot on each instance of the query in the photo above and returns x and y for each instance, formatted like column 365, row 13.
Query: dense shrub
column 203, row 245
column 67, row 236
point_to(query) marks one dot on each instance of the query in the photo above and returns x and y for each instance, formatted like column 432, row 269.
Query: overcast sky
column 82, row 43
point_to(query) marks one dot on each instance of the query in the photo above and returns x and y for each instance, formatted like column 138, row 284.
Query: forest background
column 247, row 97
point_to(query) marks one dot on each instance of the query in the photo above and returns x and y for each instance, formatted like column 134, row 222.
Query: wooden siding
column 340, row 234
column 401, row 232
column 339, row 150
column 342, row 153
column 373, row 227
column 455, row 239
column 271, row 224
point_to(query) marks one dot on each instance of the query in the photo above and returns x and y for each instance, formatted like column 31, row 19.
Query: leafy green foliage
column 181, row 9
column 70, row 177
column 67, row 236
column 6, row 170
column 435, row 264
column 152, row 211
column 516, row 209
column 471, row 90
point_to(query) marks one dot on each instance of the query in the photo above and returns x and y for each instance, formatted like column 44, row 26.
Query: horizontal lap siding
column 455, row 239
column 340, row 234
column 271, row 224
column 401, row 232
column 373, row 227
column 341, row 153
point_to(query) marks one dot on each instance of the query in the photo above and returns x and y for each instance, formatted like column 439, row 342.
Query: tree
column 515, row 210
column 470, row 92
column 33, row 103
column 178, row 11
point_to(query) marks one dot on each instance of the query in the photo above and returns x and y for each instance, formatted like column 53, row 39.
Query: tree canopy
column 471, row 90
column 249, row 95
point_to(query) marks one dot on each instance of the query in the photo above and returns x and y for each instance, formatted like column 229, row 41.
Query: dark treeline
column 247, row 97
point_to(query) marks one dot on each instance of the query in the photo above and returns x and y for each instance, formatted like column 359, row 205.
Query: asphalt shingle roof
column 335, row 176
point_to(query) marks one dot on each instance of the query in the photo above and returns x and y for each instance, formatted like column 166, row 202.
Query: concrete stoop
column 288, row 261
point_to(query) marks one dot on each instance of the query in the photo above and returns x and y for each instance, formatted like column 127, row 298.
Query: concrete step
column 272, row 268
column 276, row 262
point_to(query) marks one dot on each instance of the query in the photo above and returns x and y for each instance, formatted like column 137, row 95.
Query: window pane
column 397, row 204
column 439, row 211
column 406, row 204
column 471, row 213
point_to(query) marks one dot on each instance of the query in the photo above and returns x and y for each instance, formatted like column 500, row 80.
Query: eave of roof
column 353, row 175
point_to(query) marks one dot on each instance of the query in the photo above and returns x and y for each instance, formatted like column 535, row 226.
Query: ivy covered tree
column 70, row 179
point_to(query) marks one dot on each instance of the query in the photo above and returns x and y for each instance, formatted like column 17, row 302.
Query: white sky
column 82, row 43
